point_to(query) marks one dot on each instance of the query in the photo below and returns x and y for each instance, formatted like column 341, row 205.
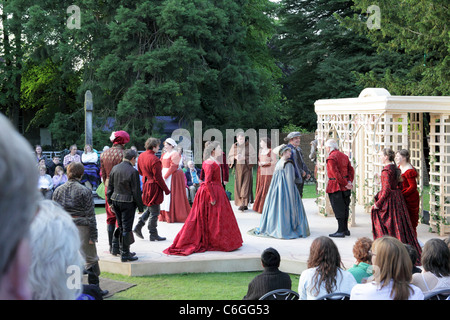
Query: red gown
column 411, row 196
column 392, row 218
column 208, row 227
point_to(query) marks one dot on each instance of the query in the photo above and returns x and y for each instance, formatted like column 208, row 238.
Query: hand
column 91, row 242
column 213, row 202
column 140, row 212
column 225, row 182
column 308, row 176
column 349, row 186
column 375, row 207
column 167, row 192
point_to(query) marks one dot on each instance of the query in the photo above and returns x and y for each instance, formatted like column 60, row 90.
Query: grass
column 188, row 286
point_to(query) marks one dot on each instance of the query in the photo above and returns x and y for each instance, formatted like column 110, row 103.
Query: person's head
column 324, row 256
column 265, row 142
column 331, row 145
column 88, row 148
column 18, row 205
column 119, row 137
column 392, row 262
column 240, row 137
column 447, row 242
column 387, row 155
column 75, row 170
column 41, row 162
column 59, row 170
column 402, row 157
column 42, row 170
column 436, row 257
column 284, row 151
column 56, row 160
column 270, row 258
column 73, row 149
column 361, row 250
column 57, row 265
column 130, row 155
column 169, row 144
column 191, row 165
column 212, row 149
column 38, row 149
column 152, row 144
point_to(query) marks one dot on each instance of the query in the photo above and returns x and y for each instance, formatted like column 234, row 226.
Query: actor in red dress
column 211, row 224
column 266, row 167
column 153, row 189
column 409, row 186
column 389, row 213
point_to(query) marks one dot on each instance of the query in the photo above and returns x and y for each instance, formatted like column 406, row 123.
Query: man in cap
column 124, row 195
column 302, row 172
column 108, row 160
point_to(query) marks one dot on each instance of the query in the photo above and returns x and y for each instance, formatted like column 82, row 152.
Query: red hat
column 119, row 137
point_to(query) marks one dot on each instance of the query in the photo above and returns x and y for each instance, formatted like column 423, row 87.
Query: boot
column 110, row 229
column 138, row 229
column 127, row 240
column 115, row 248
column 93, row 278
column 154, row 232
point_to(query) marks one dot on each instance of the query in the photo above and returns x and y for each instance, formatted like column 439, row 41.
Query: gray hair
column 18, row 190
column 332, row 144
column 55, row 246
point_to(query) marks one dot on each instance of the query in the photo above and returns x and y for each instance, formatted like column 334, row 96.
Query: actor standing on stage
column 153, row 188
column 124, row 195
column 108, row 160
column 242, row 157
column 340, row 178
column 302, row 172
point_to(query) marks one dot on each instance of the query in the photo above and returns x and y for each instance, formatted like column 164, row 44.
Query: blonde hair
column 392, row 262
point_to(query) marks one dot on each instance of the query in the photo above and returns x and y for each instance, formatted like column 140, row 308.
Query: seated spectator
column 77, row 200
column 270, row 279
column 56, row 161
column 45, row 183
column 362, row 269
column 73, row 156
column 38, row 155
column 193, row 180
column 392, row 274
column 89, row 158
column 59, row 178
column 324, row 274
column 56, row 270
column 414, row 256
column 436, row 267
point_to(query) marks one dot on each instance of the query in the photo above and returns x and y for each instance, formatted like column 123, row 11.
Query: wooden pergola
column 365, row 125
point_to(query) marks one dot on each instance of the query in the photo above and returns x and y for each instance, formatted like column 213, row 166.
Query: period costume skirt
column 262, row 187
column 175, row 207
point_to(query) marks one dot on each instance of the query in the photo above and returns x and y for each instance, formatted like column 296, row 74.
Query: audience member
column 45, row 183
column 77, row 200
column 59, row 177
column 270, row 279
column 193, row 180
column 392, row 274
column 18, row 205
column 436, row 267
column 38, row 155
column 56, row 270
column 91, row 177
column 56, row 161
column 414, row 256
column 362, row 269
column 324, row 274
column 73, row 156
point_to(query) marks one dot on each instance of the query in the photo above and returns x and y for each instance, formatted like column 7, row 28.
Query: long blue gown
column 283, row 213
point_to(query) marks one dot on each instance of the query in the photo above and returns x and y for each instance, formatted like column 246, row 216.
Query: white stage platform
column 294, row 253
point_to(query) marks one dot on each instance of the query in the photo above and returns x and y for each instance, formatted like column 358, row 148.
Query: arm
column 209, row 172
column 385, row 189
column 334, row 172
column 174, row 162
column 110, row 188
column 412, row 185
column 159, row 178
column 136, row 189
column 90, row 214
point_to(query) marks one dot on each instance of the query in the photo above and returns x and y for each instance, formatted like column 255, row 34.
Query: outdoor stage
column 294, row 253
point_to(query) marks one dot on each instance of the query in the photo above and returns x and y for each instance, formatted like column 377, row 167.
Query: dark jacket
column 299, row 164
column 189, row 176
column 270, row 279
column 124, row 185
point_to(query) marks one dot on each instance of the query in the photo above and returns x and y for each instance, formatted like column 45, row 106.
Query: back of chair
column 335, row 296
column 280, row 294
column 438, row 295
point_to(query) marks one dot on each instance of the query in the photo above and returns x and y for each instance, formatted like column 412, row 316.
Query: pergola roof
column 378, row 100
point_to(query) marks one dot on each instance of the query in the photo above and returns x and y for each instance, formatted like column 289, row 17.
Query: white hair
column 55, row 246
column 332, row 144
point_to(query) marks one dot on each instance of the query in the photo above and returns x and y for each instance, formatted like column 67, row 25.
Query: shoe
column 104, row 292
column 347, row 232
column 128, row 257
column 157, row 238
column 337, row 235
column 138, row 233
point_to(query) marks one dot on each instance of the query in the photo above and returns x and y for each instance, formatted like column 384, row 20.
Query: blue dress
column 283, row 215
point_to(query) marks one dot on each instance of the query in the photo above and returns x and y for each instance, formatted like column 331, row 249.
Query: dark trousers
column 340, row 202
column 125, row 212
column 152, row 212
